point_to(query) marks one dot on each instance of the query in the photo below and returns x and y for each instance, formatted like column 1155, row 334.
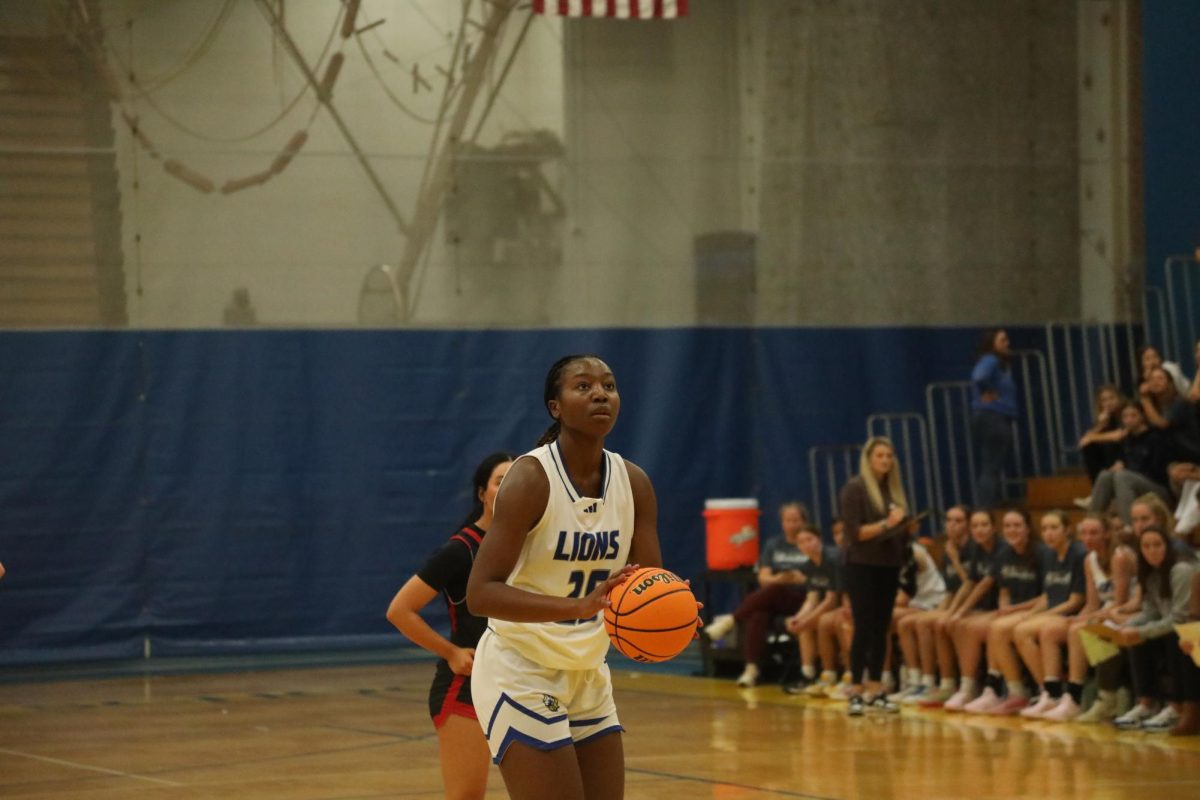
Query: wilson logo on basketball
column 659, row 577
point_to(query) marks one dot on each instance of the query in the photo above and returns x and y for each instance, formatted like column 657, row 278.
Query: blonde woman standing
column 878, row 525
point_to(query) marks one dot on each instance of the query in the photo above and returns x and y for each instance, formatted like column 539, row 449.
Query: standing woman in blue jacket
column 993, row 411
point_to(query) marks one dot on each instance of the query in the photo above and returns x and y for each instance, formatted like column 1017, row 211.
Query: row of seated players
column 1012, row 601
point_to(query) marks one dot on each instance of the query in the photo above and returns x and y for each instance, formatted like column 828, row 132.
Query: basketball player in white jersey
column 570, row 520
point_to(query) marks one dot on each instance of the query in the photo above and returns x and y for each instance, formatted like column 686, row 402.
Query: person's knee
column 1125, row 478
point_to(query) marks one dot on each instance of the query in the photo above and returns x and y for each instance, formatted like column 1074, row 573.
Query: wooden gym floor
column 363, row 732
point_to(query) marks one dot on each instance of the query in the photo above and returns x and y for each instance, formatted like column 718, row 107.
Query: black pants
column 1148, row 657
column 1098, row 457
column 872, row 593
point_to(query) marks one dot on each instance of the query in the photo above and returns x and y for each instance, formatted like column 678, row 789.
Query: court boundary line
column 90, row 768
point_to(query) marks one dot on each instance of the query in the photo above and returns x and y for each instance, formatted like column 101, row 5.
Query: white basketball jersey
column 576, row 545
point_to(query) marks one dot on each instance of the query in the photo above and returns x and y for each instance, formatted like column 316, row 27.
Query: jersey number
column 579, row 580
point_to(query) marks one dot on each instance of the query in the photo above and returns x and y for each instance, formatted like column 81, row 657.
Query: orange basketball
column 652, row 616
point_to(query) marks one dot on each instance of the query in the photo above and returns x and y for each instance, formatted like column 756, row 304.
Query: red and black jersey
column 447, row 571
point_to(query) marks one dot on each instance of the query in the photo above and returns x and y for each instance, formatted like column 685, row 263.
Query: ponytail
column 549, row 435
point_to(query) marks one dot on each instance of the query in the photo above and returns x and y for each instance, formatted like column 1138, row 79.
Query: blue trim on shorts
column 504, row 698
column 574, row 723
column 605, row 732
column 515, row 735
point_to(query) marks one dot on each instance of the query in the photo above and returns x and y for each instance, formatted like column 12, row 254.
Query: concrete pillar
column 1110, row 167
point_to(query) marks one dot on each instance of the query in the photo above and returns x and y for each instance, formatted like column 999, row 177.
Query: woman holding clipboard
column 878, row 525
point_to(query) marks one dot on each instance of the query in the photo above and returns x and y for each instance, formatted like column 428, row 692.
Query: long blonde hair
column 1164, row 519
column 895, row 489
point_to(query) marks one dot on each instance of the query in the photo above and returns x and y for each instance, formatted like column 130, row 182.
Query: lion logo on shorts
column 550, row 702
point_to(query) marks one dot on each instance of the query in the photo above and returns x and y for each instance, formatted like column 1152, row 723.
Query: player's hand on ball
column 462, row 660
column 597, row 600
column 699, row 608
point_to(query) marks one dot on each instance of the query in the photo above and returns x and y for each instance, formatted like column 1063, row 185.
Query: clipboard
column 901, row 527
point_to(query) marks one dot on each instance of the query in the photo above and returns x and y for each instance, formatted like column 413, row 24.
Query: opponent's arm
column 403, row 613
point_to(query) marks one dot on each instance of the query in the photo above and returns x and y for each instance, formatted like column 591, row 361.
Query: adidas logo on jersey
column 592, row 508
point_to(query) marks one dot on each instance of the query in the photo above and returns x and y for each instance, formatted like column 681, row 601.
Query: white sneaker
column 719, row 628
column 1162, row 721
column 938, row 697
column 821, row 688
column 1134, row 717
column 1066, row 710
column 984, row 703
column 1038, row 710
column 915, row 695
column 958, row 701
column 1083, row 502
column 1104, row 709
column 749, row 676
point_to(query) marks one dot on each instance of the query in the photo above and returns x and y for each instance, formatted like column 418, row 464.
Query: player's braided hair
column 551, row 390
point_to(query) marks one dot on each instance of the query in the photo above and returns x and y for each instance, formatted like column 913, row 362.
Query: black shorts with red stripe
column 450, row 695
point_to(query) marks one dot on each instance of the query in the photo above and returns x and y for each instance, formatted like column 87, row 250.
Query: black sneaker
column 795, row 687
column 856, row 707
column 881, row 705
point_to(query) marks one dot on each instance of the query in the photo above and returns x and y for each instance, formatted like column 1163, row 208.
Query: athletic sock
column 1076, row 691
column 968, row 686
column 948, row 683
column 1053, row 687
column 808, row 671
column 1017, row 689
column 913, row 678
column 995, row 681
column 928, row 681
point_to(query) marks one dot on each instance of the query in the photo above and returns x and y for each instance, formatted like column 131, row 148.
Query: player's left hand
column 699, row 608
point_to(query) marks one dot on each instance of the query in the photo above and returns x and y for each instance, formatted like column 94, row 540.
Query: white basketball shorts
column 518, row 700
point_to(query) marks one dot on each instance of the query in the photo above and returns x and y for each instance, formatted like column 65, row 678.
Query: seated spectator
column 1189, row 719
column 833, row 644
column 837, row 531
column 923, row 593
column 969, row 620
column 1185, row 484
column 823, row 581
column 924, row 640
column 1019, row 574
column 1100, row 444
column 1150, row 510
column 1150, row 359
column 781, row 591
column 1150, row 636
column 1040, row 638
column 1142, row 467
column 1109, row 571
column 1168, row 411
